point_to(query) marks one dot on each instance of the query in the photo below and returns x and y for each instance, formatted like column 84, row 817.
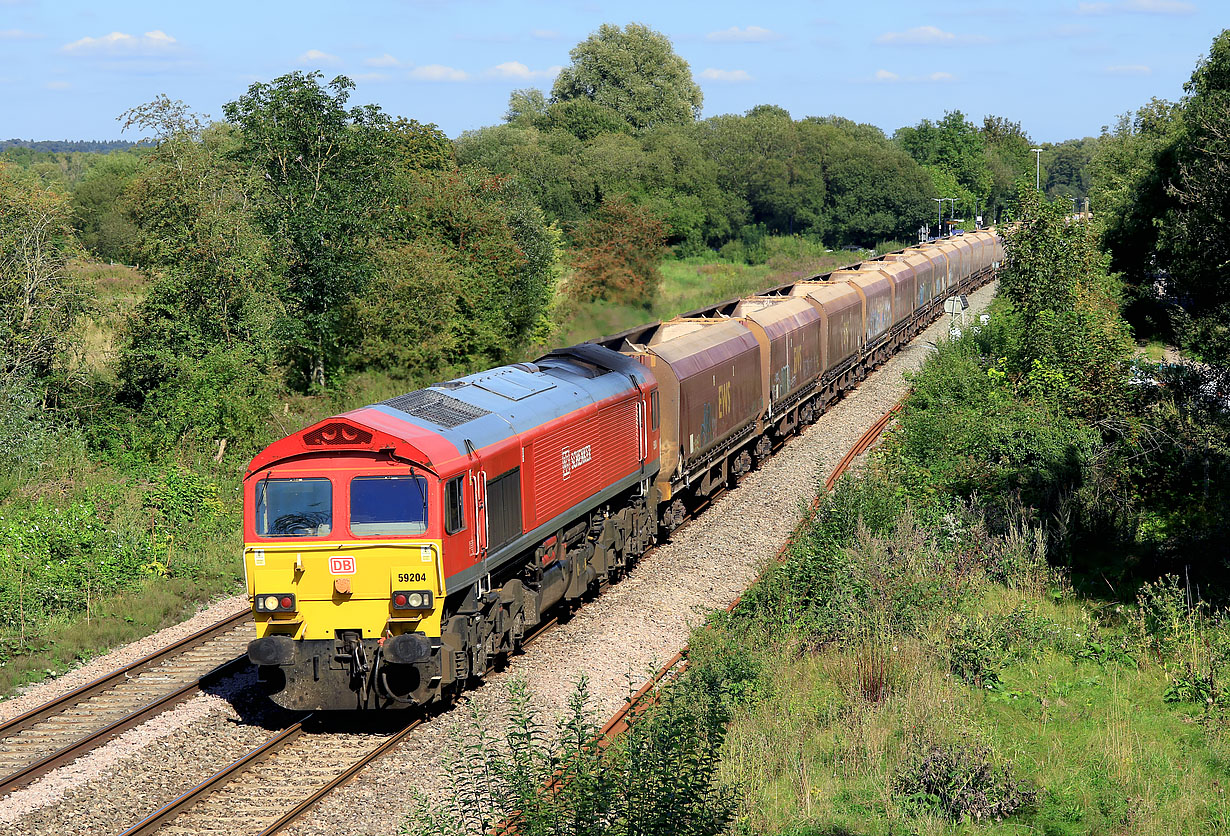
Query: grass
column 697, row 282
column 1106, row 755
column 117, row 290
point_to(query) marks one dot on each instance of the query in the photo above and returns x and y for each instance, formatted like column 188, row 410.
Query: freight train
column 394, row 553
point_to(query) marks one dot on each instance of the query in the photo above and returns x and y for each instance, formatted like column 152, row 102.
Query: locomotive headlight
column 414, row 600
column 271, row 602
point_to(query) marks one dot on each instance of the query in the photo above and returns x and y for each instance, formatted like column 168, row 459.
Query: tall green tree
column 1070, row 339
column 324, row 168
column 633, row 72
column 953, row 144
column 1196, row 244
column 42, row 300
column 199, row 354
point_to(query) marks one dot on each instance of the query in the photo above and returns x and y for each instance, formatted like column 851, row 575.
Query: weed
column 960, row 781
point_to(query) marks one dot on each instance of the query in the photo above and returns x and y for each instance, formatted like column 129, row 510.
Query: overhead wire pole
column 1037, row 169
column 939, row 217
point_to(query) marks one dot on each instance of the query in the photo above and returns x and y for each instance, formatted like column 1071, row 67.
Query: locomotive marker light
column 277, row 602
column 412, row 599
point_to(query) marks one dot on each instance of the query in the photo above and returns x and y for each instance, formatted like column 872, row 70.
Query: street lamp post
column 1037, row 169
column 939, row 216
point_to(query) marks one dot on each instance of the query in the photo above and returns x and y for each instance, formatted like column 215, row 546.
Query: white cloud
column 156, row 42
column 1128, row 69
column 370, row 77
column 889, row 77
column 545, row 35
column 515, row 69
column 747, row 35
column 438, row 72
column 1155, row 7
column 928, row 36
column 385, row 60
column 57, row 85
column 713, row 74
column 316, row 58
column 1160, row 7
column 17, row 35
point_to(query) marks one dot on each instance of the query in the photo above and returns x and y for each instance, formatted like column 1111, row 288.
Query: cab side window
column 454, row 505
column 653, row 409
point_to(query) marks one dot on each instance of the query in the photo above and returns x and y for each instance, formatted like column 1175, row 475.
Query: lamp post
column 939, row 216
column 1037, row 169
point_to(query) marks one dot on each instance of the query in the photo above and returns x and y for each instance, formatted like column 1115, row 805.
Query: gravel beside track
column 34, row 695
column 617, row 641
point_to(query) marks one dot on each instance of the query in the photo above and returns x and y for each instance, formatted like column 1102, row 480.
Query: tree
column 633, row 71
column 619, row 251
column 99, row 210
column 1196, row 245
column 1129, row 174
column 199, row 353
column 1070, row 340
column 42, row 300
column 324, row 166
column 954, row 145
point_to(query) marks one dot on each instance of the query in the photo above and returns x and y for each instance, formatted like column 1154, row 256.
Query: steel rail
column 40, row 712
column 95, row 738
column 183, row 803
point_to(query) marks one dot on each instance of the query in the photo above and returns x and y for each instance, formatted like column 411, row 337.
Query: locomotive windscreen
column 294, row 507
column 388, row 505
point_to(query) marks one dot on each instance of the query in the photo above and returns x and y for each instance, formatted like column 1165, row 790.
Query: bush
column 619, row 250
column 960, row 781
column 658, row 777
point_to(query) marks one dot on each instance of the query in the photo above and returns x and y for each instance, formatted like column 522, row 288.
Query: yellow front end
column 344, row 587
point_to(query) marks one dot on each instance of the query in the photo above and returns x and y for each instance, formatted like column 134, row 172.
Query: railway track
column 277, row 782
column 62, row 730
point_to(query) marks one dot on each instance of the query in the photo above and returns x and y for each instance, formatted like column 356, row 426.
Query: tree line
column 301, row 238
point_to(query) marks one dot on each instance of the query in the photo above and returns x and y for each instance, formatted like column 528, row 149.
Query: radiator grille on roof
column 437, row 408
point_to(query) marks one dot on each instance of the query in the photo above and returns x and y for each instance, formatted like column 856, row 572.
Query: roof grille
column 437, row 408
column 335, row 433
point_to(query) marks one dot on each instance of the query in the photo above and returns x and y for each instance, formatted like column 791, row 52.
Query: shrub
column 658, row 777
column 960, row 781
column 619, row 250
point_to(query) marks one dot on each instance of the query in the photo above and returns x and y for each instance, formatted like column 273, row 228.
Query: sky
column 1063, row 69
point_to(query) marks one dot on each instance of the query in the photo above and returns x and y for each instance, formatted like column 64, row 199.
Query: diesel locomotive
column 394, row 553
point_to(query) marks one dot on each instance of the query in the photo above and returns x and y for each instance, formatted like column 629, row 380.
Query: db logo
column 573, row 459
column 341, row 565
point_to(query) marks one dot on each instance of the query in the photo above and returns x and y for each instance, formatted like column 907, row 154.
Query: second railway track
column 62, row 730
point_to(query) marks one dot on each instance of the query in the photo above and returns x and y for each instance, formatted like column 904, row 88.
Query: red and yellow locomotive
column 392, row 552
